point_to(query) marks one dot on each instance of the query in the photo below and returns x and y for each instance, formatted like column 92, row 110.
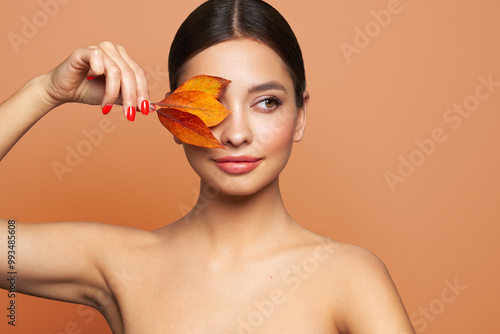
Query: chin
column 236, row 185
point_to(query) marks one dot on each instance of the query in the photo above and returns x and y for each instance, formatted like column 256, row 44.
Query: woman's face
column 264, row 123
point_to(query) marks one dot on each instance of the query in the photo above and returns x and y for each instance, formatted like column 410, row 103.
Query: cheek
column 195, row 156
column 276, row 133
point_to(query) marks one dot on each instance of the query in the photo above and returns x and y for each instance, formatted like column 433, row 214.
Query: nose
column 235, row 130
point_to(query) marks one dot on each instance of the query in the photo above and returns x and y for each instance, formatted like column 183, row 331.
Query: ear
column 300, row 126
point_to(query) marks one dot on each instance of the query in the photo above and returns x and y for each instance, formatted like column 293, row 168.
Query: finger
column 113, row 82
column 142, row 88
column 67, row 77
column 96, row 63
column 84, row 61
column 119, row 68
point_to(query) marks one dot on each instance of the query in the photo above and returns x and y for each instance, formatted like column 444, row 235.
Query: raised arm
column 54, row 260
column 119, row 80
column 67, row 261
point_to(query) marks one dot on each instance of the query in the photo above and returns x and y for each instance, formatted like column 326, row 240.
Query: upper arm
column 55, row 260
column 371, row 303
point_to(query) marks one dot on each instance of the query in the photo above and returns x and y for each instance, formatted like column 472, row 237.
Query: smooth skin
column 238, row 262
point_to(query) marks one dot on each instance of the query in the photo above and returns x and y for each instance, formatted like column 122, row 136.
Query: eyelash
column 277, row 102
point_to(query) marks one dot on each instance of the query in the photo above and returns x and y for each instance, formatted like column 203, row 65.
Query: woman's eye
column 269, row 104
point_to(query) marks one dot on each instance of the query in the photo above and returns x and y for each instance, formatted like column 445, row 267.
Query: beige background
column 367, row 109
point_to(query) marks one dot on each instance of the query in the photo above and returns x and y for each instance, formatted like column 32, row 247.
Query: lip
column 237, row 164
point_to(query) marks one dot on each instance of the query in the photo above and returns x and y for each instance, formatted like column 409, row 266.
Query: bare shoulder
column 358, row 271
column 343, row 263
column 359, row 289
column 356, row 262
column 349, row 257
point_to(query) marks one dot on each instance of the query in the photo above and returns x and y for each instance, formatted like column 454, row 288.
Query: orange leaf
column 192, row 108
column 201, row 104
column 203, row 83
column 188, row 128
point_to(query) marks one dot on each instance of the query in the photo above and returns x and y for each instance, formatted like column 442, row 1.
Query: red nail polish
column 131, row 113
column 107, row 109
column 90, row 78
column 145, row 107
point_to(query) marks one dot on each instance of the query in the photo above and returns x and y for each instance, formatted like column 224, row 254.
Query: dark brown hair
column 216, row 21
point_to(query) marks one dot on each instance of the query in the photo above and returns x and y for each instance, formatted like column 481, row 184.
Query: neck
column 233, row 224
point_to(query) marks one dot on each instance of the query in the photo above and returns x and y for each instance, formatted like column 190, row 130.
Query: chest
column 264, row 297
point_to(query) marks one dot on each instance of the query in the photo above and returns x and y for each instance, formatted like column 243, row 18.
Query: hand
column 118, row 80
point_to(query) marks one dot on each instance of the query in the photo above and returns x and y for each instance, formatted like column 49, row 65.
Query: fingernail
column 107, row 109
column 131, row 113
column 145, row 107
column 90, row 78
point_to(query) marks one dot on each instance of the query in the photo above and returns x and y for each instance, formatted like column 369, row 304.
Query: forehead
column 246, row 62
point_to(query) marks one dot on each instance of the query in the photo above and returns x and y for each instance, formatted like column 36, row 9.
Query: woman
column 238, row 262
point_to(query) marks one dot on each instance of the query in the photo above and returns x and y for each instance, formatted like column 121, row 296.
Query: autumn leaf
column 188, row 128
column 201, row 104
column 192, row 108
column 203, row 83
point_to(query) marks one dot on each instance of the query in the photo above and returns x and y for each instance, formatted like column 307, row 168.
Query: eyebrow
column 266, row 86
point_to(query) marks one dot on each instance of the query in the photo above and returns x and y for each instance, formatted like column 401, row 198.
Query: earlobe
column 300, row 126
column 177, row 141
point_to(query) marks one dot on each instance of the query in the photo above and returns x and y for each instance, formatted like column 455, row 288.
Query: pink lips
column 237, row 164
